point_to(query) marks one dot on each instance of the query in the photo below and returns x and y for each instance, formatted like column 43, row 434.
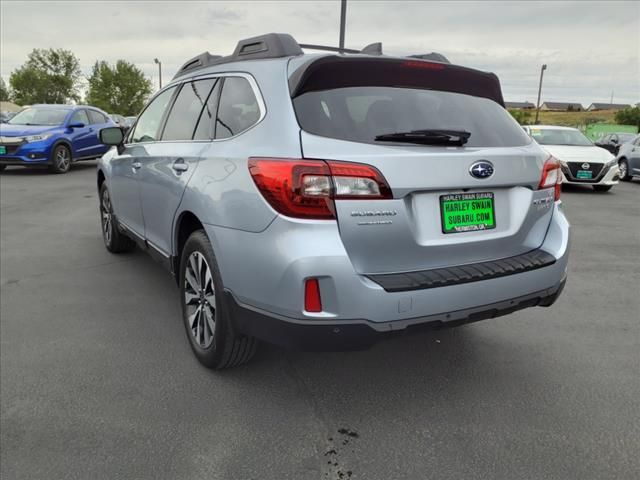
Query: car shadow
column 18, row 171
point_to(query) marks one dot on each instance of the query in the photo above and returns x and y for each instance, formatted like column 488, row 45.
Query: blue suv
column 53, row 135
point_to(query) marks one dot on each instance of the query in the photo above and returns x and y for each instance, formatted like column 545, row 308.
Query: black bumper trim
column 17, row 161
column 359, row 334
column 442, row 277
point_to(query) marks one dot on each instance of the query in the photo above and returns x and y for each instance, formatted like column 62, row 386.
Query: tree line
column 54, row 76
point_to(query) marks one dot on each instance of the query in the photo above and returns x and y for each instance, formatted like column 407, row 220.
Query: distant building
column 607, row 106
column 522, row 105
column 561, row 107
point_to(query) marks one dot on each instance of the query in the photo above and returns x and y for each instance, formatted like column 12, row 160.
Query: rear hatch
column 453, row 202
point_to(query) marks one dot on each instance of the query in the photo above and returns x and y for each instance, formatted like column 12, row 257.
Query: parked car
column 582, row 162
column 6, row 116
column 53, row 136
column 629, row 159
column 324, row 201
column 119, row 120
column 130, row 121
column 612, row 141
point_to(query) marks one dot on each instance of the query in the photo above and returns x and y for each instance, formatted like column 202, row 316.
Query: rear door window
column 79, row 116
column 96, row 117
column 182, row 120
column 360, row 114
column 206, row 123
column 238, row 109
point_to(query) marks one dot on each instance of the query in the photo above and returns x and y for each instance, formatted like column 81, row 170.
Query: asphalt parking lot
column 97, row 379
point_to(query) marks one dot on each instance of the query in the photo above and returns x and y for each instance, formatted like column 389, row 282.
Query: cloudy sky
column 592, row 48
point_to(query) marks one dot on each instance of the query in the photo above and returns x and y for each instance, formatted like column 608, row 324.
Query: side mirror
column 111, row 136
column 76, row 125
column 614, row 141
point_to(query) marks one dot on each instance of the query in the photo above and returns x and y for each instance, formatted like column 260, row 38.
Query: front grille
column 594, row 168
column 442, row 277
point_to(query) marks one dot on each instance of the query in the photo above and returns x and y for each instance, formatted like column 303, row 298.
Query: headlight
column 37, row 138
column 611, row 163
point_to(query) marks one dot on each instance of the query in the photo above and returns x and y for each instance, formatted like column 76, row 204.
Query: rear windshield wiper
column 427, row 137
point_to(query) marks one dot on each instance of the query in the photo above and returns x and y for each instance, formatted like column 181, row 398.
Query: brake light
column 312, row 300
column 552, row 176
column 307, row 188
column 423, row 64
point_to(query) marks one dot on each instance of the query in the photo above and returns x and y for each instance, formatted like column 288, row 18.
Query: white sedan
column 582, row 162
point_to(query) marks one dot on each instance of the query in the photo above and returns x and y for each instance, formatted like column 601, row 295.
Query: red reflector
column 422, row 64
column 312, row 302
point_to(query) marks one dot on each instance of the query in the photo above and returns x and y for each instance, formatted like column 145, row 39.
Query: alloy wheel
column 62, row 159
column 106, row 212
column 200, row 299
column 622, row 167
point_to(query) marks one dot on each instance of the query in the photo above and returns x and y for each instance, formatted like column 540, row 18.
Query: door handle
column 180, row 166
column 136, row 165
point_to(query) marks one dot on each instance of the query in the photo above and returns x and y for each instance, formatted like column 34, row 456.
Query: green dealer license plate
column 467, row 212
column 3, row 149
column 584, row 174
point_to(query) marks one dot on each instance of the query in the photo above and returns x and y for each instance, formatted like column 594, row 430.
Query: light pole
column 155, row 60
column 544, row 67
column 343, row 20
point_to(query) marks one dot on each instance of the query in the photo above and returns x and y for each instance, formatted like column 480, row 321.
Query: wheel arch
column 186, row 223
column 62, row 141
column 101, row 178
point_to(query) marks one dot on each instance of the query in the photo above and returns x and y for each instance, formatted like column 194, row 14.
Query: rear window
column 360, row 114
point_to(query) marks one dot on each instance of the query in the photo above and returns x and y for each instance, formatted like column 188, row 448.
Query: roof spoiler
column 438, row 57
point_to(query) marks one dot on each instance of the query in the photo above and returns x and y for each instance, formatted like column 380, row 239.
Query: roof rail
column 199, row 61
column 271, row 45
column 371, row 49
column 438, row 57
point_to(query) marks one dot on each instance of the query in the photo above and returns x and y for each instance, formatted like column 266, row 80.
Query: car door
column 81, row 137
column 98, row 121
column 125, row 165
column 165, row 172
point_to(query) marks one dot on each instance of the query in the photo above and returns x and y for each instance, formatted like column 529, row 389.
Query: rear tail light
column 551, row 176
column 307, row 188
column 312, row 300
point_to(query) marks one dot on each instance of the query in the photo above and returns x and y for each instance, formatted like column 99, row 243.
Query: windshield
column 625, row 137
column 550, row 136
column 361, row 114
column 40, row 116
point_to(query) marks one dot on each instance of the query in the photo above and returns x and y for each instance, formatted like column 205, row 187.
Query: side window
column 79, row 116
column 185, row 112
column 96, row 117
column 205, row 128
column 149, row 122
column 238, row 109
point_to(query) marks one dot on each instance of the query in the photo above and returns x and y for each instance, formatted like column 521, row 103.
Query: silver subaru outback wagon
column 324, row 201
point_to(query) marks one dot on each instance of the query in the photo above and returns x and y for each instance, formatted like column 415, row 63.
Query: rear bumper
column 265, row 276
column 359, row 334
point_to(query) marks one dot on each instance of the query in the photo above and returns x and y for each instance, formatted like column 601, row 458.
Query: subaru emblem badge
column 481, row 169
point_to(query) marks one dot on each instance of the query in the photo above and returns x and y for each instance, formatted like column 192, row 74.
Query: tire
column 114, row 239
column 207, row 320
column 623, row 165
column 60, row 159
column 602, row 188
